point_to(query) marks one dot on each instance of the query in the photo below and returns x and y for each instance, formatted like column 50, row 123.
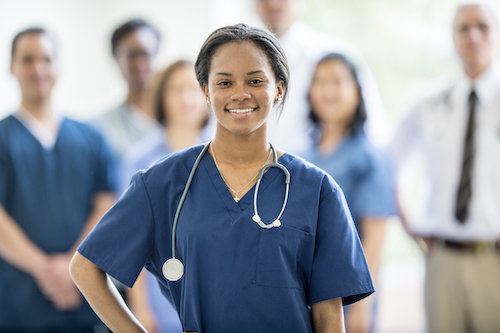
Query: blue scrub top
column 140, row 156
column 238, row 277
column 364, row 174
column 49, row 193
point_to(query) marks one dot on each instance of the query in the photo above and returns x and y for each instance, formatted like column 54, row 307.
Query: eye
column 483, row 27
column 256, row 81
column 27, row 59
column 223, row 83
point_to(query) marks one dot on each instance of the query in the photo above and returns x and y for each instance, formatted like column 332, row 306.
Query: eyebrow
column 249, row 73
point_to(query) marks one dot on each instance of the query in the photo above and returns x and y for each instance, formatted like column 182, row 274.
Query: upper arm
column 106, row 169
column 375, row 193
column 406, row 139
column 339, row 266
column 123, row 240
column 328, row 316
column 3, row 175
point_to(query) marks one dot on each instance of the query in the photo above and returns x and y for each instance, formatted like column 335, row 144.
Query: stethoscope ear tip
column 173, row 269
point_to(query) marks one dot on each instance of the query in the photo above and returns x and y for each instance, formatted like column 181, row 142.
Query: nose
column 475, row 34
column 240, row 93
column 40, row 67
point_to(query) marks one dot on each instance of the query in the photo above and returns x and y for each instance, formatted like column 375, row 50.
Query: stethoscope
column 173, row 269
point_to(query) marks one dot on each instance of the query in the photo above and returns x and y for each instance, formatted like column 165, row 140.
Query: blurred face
column 474, row 35
column 277, row 15
column 34, row 65
column 135, row 55
column 334, row 94
column 242, row 89
column 183, row 99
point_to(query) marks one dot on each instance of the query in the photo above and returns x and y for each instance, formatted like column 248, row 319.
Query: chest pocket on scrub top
column 284, row 257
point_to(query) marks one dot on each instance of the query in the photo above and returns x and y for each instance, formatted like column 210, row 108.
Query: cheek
column 314, row 93
column 351, row 98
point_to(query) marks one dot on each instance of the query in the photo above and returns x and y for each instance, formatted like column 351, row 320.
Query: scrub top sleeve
column 105, row 174
column 123, row 240
column 339, row 266
column 3, row 177
column 375, row 191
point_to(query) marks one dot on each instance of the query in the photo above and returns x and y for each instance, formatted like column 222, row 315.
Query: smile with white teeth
column 241, row 110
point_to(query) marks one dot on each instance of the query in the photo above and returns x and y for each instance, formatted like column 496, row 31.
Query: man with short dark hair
column 134, row 45
column 456, row 133
column 55, row 183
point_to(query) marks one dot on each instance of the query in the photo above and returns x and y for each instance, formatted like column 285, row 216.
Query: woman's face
column 241, row 88
column 334, row 94
column 183, row 100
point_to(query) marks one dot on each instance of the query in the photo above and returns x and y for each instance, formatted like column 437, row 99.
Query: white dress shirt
column 435, row 129
column 304, row 47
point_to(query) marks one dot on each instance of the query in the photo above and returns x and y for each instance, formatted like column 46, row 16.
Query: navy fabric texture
column 365, row 175
column 238, row 276
column 49, row 194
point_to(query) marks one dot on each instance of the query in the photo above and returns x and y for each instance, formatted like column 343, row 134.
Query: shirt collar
column 486, row 85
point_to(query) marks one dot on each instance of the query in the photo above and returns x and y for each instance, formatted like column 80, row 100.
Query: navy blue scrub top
column 49, row 193
column 238, row 276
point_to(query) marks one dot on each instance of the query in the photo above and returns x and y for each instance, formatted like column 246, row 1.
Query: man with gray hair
column 457, row 133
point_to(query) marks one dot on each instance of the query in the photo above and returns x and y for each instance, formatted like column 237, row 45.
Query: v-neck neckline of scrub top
column 45, row 149
column 233, row 207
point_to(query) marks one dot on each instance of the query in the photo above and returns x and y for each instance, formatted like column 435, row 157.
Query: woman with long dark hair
column 342, row 149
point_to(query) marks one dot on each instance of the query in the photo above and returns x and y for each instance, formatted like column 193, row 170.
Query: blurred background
column 406, row 43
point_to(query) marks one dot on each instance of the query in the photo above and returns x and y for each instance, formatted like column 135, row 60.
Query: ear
column 280, row 92
column 12, row 67
column 206, row 93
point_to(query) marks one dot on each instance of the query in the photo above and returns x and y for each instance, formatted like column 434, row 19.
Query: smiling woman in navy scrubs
column 238, row 277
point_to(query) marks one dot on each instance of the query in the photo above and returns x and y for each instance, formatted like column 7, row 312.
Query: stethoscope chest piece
column 173, row 269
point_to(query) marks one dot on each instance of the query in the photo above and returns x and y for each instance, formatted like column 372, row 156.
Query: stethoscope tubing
column 184, row 194
column 173, row 269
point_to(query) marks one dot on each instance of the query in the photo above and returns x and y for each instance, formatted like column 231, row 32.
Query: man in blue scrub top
column 55, row 177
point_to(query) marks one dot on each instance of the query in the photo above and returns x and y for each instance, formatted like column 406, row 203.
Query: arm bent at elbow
column 102, row 296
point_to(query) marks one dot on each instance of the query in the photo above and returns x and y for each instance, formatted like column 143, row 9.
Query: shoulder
column 6, row 126
column 109, row 117
column 147, row 149
column 6, row 123
column 174, row 165
column 308, row 175
column 371, row 153
column 76, row 127
column 84, row 137
column 432, row 94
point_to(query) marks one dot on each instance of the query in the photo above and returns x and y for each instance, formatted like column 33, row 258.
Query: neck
column 178, row 137
column 473, row 72
column 332, row 135
column 138, row 98
column 239, row 151
column 40, row 108
column 42, row 111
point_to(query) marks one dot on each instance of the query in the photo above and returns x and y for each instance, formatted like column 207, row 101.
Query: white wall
column 89, row 80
